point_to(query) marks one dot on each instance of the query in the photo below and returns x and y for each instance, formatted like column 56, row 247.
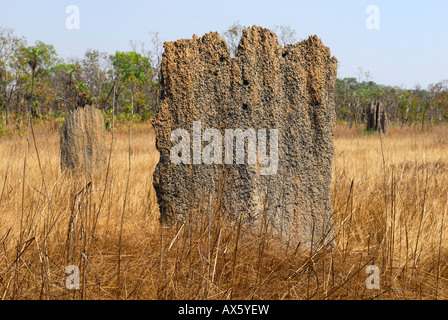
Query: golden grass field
column 389, row 195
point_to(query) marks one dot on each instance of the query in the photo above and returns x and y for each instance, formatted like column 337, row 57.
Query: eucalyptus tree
column 40, row 58
column 10, row 67
column 133, row 72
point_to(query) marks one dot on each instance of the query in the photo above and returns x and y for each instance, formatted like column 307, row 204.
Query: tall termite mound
column 83, row 145
column 264, row 87
column 376, row 117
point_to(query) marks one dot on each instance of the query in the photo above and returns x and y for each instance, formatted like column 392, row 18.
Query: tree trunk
column 7, row 110
column 32, row 111
column 5, row 94
column 376, row 117
column 423, row 121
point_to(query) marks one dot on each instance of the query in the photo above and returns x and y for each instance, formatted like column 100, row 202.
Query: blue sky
column 411, row 46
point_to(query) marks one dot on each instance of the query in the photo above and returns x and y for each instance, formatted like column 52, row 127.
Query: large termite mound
column 288, row 91
column 83, row 145
column 376, row 117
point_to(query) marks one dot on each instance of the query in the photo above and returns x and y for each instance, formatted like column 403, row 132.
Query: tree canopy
column 35, row 81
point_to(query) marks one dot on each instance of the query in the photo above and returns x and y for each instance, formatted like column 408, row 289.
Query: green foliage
column 125, row 86
column 40, row 57
column 404, row 106
column 132, row 67
column 133, row 78
column 2, row 127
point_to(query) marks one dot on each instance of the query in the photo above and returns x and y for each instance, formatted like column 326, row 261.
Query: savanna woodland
column 389, row 192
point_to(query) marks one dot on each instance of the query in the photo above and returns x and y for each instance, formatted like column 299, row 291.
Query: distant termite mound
column 270, row 106
column 376, row 117
column 83, row 146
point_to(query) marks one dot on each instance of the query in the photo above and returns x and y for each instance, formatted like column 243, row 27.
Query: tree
column 348, row 101
column 232, row 37
column 286, row 35
column 40, row 58
column 154, row 54
column 133, row 72
column 438, row 96
column 65, row 77
column 422, row 102
column 96, row 70
column 9, row 60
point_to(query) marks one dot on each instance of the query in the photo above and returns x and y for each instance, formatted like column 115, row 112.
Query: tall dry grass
column 389, row 195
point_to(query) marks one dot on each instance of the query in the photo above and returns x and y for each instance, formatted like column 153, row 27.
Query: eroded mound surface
column 267, row 87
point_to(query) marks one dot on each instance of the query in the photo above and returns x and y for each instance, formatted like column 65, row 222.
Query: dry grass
column 389, row 195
